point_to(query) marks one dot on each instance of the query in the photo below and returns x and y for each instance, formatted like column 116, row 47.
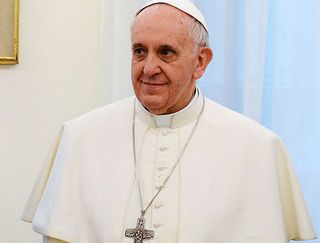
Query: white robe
column 234, row 183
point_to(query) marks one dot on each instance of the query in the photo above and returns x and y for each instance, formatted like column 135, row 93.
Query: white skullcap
column 184, row 5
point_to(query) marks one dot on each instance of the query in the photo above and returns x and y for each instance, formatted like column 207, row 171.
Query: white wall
column 58, row 78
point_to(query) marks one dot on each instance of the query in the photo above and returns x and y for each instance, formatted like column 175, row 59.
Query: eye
column 139, row 53
column 167, row 53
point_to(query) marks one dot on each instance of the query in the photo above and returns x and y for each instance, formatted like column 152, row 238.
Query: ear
column 205, row 56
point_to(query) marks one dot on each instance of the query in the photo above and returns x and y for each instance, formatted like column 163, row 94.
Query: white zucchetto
column 183, row 5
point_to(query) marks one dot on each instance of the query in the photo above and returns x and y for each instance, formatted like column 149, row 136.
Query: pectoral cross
column 139, row 233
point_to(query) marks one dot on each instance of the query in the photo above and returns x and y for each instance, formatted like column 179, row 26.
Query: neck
column 170, row 120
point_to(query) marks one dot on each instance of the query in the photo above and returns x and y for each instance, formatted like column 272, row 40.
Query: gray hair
column 198, row 33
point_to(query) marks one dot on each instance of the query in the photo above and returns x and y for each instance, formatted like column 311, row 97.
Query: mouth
column 153, row 87
column 153, row 83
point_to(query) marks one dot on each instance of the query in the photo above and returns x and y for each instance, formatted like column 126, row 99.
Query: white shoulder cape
column 237, row 184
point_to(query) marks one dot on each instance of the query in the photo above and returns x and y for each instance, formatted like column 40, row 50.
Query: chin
column 155, row 105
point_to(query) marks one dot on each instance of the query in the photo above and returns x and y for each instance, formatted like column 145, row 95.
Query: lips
column 153, row 87
column 153, row 83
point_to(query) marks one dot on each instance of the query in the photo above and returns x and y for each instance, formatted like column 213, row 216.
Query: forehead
column 161, row 20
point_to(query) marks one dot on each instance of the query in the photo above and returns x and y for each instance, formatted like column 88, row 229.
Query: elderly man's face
column 164, row 59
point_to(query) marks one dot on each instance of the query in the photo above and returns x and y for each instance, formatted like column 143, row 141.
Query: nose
column 151, row 66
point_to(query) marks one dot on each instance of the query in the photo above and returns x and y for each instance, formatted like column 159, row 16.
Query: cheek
column 135, row 73
column 181, row 84
column 179, row 79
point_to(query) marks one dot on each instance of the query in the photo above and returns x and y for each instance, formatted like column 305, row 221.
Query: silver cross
column 139, row 233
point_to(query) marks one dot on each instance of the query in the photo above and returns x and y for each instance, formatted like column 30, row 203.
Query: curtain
column 266, row 65
column 117, row 17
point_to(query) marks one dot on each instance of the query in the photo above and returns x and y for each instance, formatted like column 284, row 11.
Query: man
column 169, row 166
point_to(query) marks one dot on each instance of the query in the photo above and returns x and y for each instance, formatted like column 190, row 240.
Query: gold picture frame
column 9, row 31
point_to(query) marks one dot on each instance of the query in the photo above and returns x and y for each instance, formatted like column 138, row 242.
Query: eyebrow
column 136, row 45
column 168, row 47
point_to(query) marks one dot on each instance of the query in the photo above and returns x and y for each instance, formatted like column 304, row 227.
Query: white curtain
column 266, row 66
column 116, row 51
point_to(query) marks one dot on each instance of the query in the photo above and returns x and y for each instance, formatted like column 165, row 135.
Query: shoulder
column 234, row 123
column 106, row 117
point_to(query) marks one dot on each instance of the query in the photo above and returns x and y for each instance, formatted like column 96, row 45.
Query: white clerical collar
column 175, row 120
column 165, row 120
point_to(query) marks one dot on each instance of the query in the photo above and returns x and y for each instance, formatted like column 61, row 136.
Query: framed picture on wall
column 9, row 31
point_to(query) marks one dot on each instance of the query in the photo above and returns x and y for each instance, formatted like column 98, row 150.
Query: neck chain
column 140, row 233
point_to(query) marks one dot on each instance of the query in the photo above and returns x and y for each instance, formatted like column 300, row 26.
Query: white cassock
column 234, row 183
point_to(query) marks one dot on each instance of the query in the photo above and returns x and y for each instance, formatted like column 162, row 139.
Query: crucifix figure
column 139, row 233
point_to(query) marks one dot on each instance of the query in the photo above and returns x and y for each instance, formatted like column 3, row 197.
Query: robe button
column 158, row 205
column 163, row 149
column 159, row 187
column 157, row 225
column 161, row 168
column 165, row 133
